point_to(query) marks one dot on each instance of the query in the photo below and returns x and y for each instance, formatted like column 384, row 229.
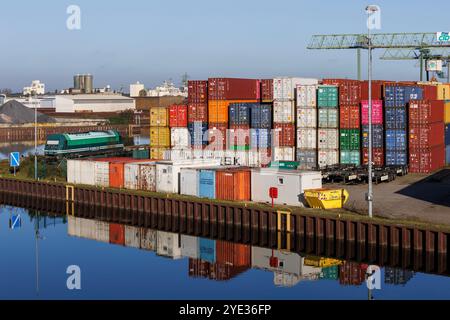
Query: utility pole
column 35, row 138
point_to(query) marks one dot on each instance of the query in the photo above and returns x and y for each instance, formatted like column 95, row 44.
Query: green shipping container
column 141, row 154
column 350, row 139
column 286, row 165
column 350, row 157
column 330, row 273
column 328, row 118
column 327, row 96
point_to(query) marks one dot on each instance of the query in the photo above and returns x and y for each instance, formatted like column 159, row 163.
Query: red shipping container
column 117, row 234
column 349, row 90
column 239, row 135
column 217, row 135
column 429, row 92
column 284, row 135
column 233, row 89
column 349, row 117
column 426, row 160
column 233, row 185
column 198, row 91
column 426, row 135
column 377, row 112
column 234, row 254
column 178, row 116
column 265, row 156
column 198, row 112
column 426, row 111
column 377, row 89
column 377, row 156
column 267, row 90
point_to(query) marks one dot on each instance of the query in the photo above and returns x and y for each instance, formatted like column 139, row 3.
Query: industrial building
column 135, row 89
column 36, row 88
column 93, row 103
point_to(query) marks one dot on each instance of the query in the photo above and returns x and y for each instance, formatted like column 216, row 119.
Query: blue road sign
column 14, row 159
column 15, row 222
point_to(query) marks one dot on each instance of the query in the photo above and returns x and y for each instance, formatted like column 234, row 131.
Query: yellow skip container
column 326, row 198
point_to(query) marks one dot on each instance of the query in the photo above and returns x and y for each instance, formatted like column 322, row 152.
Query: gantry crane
column 400, row 41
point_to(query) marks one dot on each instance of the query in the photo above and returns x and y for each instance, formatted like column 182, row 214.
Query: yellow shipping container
column 157, row 153
column 443, row 91
column 159, row 137
column 447, row 112
column 218, row 109
column 159, row 117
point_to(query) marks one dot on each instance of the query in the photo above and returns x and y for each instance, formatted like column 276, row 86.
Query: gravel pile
column 13, row 112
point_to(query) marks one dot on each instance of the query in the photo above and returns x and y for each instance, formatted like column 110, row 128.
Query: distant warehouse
column 93, row 103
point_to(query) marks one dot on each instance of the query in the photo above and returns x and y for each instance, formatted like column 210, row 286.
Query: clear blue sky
column 124, row 41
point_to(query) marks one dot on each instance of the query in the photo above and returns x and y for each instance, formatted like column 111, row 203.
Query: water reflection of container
column 148, row 239
column 397, row 276
column 233, row 253
column 132, row 237
column 276, row 260
column 352, row 273
column 213, row 271
column 117, row 234
column 168, row 244
column 282, row 279
column 189, row 246
column 207, row 248
column 88, row 229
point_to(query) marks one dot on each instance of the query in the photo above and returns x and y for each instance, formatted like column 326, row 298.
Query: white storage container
column 148, row 239
column 283, row 154
column 306, row 138
column 178, row 154
column 290, row 185
column 242, row 158
column 307, row 96
column 132, row 237
column 287, row 262
column 180, row 138
column 284, row 87
column 327, row 157
column 328, row 139
column 190, row 246
column 168, row 172
column 306, row 117
column 81, row 172
column 102, row 173
column 168, row 244
column 189, row 182
column 283, row 112
column 140, row 176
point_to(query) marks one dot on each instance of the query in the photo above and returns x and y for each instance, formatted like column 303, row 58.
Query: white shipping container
column 327, row 157
column 287, row 262
column 148, row 239
column 283, row 154
column 307, row 96
column 180, row 138
column 132, row 237
column 306, row 117
column 178, row 154
column 168, row 244
column 189, row 182
column 168, row 172
column 140, row 176
column 283, row 112
column 102, row 173
column 190, row 246
column 328, row 138
column 306, row 138
column 242, row 158
column 290, row 185
column 284, row 87
column 81, row 172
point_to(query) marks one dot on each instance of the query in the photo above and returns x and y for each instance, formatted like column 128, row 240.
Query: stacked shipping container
column 197, row 113
column 377, row 132
column 426, row 136
column 159, row 132
column 178, row 122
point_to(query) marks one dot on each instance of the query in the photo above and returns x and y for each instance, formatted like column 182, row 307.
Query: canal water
column 120, row 262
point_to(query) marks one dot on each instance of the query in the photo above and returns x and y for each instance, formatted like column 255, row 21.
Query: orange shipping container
column 233, row 185
column 117, row 234
column 234, row 254
column 218, row 109
column 117, row 171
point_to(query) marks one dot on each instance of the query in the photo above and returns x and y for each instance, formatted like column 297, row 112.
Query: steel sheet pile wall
column 426, row 136
column 159, row 132
column 377, row 132
column 328, row 123
column 306, row 126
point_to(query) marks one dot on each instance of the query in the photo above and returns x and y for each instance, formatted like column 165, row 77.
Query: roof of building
column 91, row 97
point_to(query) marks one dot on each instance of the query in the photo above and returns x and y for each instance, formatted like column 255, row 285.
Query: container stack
column 426, row 136
column 261, row 134
column 328, row 123
column 307, row 127
column 197, row 113
column 159, row 132
column 447, row 131
column 178, row 122
column 377, row 132
column 239, row 131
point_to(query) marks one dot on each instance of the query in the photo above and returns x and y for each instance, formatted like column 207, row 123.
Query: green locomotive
column 87, row 143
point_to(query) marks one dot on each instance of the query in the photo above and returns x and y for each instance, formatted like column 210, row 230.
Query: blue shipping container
column 307, row 159
column 198, row 133
column 207, row 184
column 394, row 96
column 447, row 155
column 395, row 118
column 261, row 116
column 260, row 138
column 377, row 136
column 207, row 249
column 239, row 113
column 396, row 139
column 396, row 157
column 413, row 93
column 447, row 134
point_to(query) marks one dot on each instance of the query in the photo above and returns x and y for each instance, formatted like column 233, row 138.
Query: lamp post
column 371, row 9
column 35, row 138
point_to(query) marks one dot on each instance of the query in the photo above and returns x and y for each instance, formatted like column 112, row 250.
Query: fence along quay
column 394, row 245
